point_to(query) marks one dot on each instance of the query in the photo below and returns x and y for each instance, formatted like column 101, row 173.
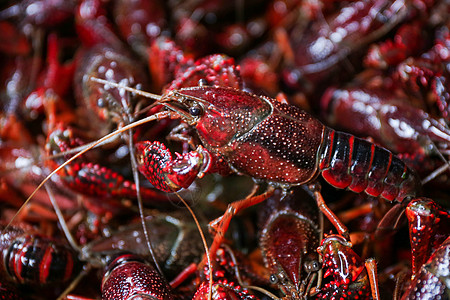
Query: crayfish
column 220, row 70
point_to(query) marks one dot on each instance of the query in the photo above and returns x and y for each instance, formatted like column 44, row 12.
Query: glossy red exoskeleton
column 129, row 277
column 215, row 69
column 223, row 289
column 326, row 31
column 93, row 26
column 237, row 129
column 13, row 42
column 399, row 109
column 124, row 258
column 432, row 280
column 113, row 64
column 429, row 225
column 227, row 281
column 89, row 178
column 350, row 278
column 34, row 259
column 426, row 77
column 289, row 237
column 165, row 58
column 408, row 41
column 40, row 13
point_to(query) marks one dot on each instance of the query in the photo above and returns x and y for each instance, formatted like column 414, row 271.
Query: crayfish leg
column 220, row 225
column 183, row 275
column 371, row 267
column 341, row 228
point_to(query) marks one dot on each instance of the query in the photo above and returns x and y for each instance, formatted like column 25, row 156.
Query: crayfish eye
column 195, row 111
column 101, row 102
column 312, row 266
column 202, row 82
column 273, row 279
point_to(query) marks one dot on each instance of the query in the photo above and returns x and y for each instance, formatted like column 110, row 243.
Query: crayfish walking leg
column 220, row 225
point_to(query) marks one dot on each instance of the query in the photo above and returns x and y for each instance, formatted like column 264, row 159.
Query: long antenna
column 439, row 170
column 134, row 164
column 127, row 88
column 208, row 258
column 139, row 200
column 62, row 221
column 157, row 116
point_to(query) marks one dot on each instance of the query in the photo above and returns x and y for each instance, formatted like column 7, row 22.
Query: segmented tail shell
column 35, row 259
column 350, row 162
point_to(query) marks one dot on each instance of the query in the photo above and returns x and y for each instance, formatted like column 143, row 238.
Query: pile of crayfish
column 276, row 149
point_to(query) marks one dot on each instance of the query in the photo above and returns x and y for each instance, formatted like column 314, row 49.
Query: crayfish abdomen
column 35, row 259
column 350, row 162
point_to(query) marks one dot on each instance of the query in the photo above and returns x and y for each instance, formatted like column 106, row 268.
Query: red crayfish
column 227, row 128
column 267, row 140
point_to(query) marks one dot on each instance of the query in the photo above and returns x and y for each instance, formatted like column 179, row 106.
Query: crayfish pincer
column 270, row 141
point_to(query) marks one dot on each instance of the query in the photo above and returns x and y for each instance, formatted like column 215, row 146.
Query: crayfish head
column 220, row 114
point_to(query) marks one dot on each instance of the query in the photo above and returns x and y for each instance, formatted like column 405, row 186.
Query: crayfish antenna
column 139, row 200
column 157, row 98
column 205, row 244
column 134, row 163
column 262, row 291
column 71, row 241
column 400, row 279
column 74, row 283
column 127, row 88
column 157, row 116
column 439, row 170
column 61, row 219
column 239, row 278
column 78, row 149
